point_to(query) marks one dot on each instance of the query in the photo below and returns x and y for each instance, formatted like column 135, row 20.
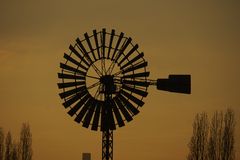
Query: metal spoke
column 133, row 65
column 97, row 92
column 97, row 70
column 103, row 66
column 111, row 67
column 108, row 70
column 92, row 77
column 117, row 73
column 93, row 85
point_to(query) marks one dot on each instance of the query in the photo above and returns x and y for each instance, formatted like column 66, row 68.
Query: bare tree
column 8, row 145
column 219, row 144
column 198, row 143
column 25, row 146
column 15, row 151
column 228, row 152
column 215, row 137
column 1, row 144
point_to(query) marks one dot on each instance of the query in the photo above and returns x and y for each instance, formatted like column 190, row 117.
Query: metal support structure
column 107, row 134
column 107, row 145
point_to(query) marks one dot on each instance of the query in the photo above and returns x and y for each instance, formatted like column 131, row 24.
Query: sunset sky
column 200, row 38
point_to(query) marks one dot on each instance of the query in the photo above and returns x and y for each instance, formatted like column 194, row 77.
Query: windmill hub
column 107, row 80
column 108, row 84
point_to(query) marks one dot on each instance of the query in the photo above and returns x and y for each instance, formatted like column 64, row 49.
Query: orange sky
column 200, row 38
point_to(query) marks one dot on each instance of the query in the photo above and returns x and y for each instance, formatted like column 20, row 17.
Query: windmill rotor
column 114, row 66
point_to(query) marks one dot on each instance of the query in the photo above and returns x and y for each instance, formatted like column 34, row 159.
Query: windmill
column 104, row 80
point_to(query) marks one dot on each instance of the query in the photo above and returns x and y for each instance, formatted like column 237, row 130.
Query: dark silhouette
column 175, row 83
column 20, row 150
column 8, row 146
column 1, row 144
column 215, row 142
column 215, row 137
column 121, row 82
column 25, row 144
column 15, row 151
column 198, row 143
column 228, row 151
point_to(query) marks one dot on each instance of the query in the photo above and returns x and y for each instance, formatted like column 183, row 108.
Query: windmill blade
column 127, row 116
column 117, row 45
column 89, row 115
column 143, row 74
column 103, row 42
column 117, row 115
column 96, row 43
column 90, row 45
column 80, row 103
column 125, row 45
column 69, row 102
column 129, row 105
column 71, row 92
column 74, row 98
column 135, row 67
column 70, row 76
column 112, row 123
column 85, row 53
column 78, row 55
column 135, row 90
column 137, row 83
column 132, row 60
column 132, row 98
column 67, row 57
column 83, row 111
column 128, row 54
column 110, row 43
column 96, row 117
column 71, row 84
column 175, row 83
column 71, row 69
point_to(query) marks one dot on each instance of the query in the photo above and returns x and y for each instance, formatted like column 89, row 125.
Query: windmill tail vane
column 175, row 83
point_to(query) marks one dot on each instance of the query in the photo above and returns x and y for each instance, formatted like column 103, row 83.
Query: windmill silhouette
column 104, row 80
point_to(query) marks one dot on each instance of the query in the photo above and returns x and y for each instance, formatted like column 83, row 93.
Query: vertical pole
column 107, row 134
